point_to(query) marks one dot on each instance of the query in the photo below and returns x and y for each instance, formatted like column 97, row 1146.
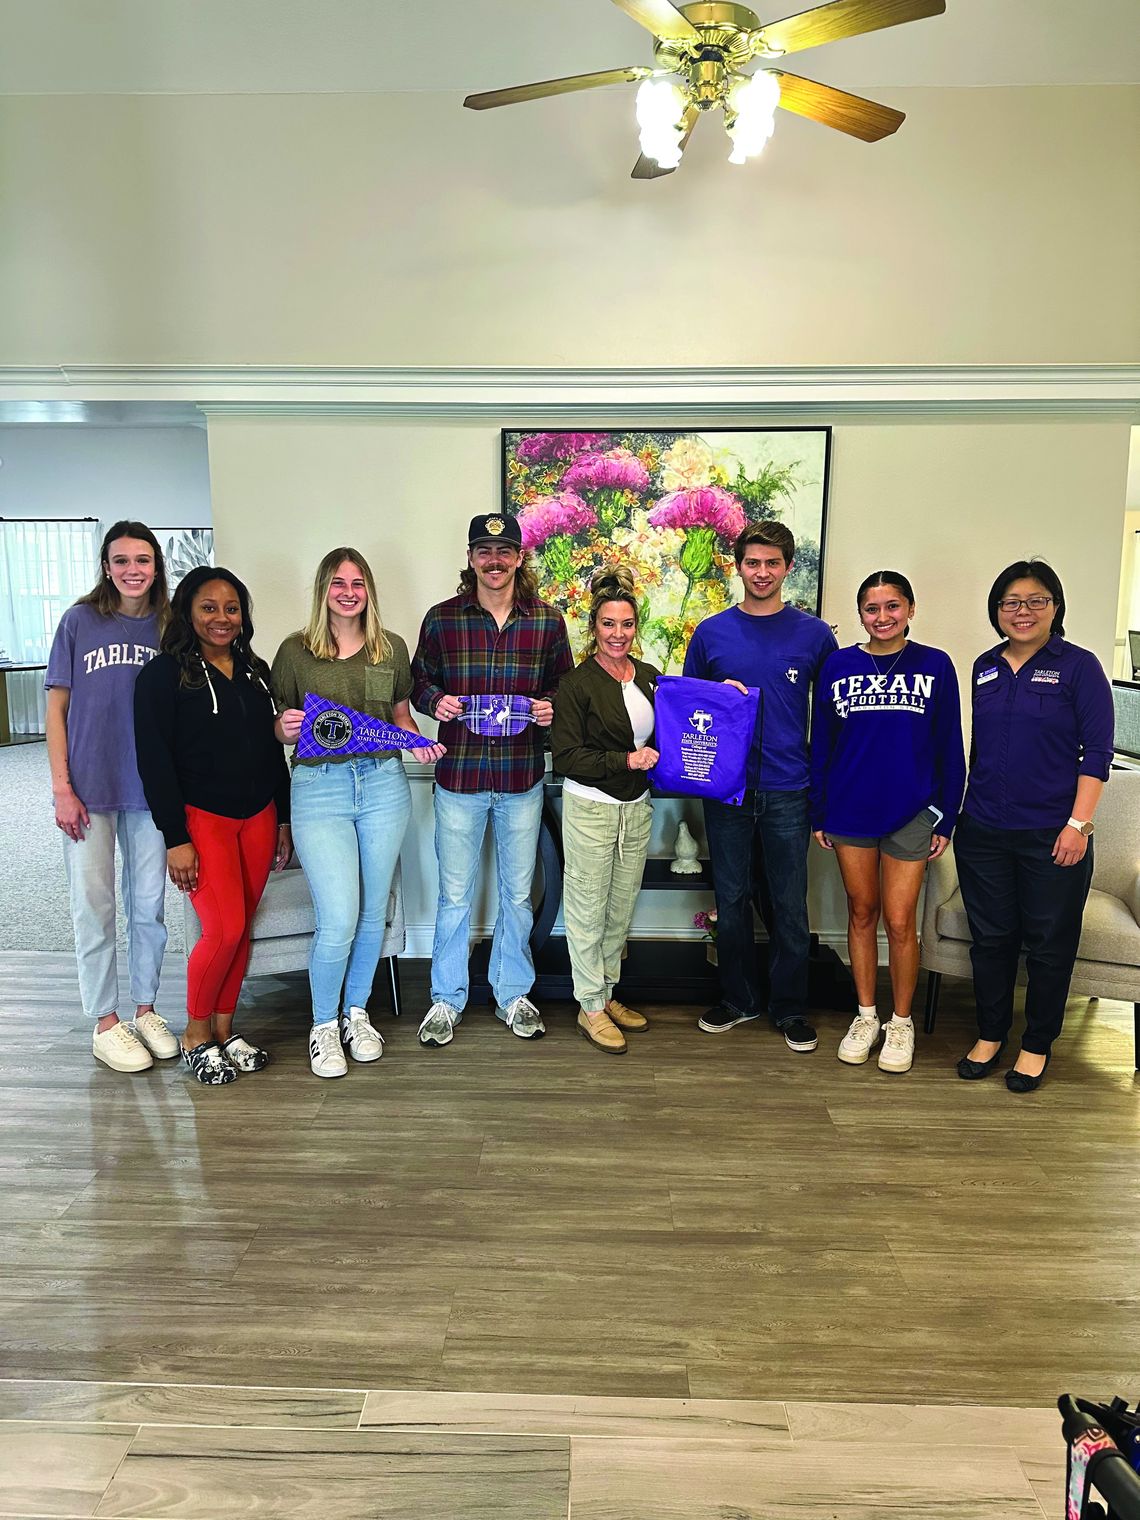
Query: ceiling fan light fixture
column 750, row 114
column 661, row 105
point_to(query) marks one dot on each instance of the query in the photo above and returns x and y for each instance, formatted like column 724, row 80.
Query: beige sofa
column 1108, row 960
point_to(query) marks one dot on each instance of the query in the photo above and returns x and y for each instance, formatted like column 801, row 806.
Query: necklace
column 624, row 679
column 890, row 667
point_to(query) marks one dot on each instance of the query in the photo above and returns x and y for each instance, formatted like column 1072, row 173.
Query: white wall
column 156, row 475
column 947, row 503
column 997, row 226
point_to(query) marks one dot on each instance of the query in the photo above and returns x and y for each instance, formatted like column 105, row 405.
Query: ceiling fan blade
column 515, row 93
column 661, row 18
column 852, row 114
column 649, row 168
column 844, row 18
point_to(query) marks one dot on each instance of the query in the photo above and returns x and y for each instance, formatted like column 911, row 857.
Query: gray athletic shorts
column 911, row 842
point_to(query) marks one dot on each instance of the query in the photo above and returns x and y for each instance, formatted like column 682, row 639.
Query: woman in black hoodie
column 217, row 785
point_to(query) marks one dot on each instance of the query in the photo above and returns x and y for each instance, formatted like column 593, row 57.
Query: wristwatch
column 1081, row 828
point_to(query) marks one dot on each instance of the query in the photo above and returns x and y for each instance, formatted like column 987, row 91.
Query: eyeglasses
column 1034, row 603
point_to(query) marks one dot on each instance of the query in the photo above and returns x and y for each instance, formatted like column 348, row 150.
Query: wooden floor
column 708, row 1218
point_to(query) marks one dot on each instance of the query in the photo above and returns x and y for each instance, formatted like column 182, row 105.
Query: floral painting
column 668, row 504
column 184, row 549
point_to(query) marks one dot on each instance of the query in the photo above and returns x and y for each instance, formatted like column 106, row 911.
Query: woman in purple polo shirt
column 1042, row 747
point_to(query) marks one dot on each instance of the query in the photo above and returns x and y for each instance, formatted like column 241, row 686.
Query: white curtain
column 44, row 566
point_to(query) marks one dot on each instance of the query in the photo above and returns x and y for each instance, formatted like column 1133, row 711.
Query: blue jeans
column 460, row 823
column 349, row 821
column 91, row 884
column 780, row 820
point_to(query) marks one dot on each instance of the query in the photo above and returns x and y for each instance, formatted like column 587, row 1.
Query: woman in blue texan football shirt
column 887, row 771
column 1041, row 752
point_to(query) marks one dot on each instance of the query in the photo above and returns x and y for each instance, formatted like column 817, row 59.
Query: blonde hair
column 317, row 635
column 610, row 584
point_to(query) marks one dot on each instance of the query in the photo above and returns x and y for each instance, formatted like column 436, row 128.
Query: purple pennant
column 496, row 716
column 330, row 729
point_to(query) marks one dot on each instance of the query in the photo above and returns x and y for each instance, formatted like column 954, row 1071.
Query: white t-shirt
column 640, row 710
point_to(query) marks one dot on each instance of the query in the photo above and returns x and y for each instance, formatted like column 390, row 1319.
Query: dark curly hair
column 181, row 642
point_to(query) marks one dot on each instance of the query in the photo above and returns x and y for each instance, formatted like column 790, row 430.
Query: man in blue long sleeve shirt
column 764, row 643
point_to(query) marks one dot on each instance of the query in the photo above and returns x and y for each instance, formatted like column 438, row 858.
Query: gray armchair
column 284, row 923
column 1108, row 959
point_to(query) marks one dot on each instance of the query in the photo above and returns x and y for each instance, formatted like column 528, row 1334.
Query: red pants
column 234, row 860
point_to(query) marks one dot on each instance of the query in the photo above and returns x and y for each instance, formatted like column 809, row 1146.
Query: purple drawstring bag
column 703, row 732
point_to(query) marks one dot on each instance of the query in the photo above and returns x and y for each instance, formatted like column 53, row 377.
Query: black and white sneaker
column 799, row 1035
column 246, row 1057
column 720, row 1018
column 209, row 1066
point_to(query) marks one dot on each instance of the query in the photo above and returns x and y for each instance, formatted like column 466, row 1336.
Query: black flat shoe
column 1022, row 1082
column 974, row 1071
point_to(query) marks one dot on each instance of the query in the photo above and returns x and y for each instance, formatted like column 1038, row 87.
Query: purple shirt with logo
column 1035, row 733
column 780, row 653
column 97, row 658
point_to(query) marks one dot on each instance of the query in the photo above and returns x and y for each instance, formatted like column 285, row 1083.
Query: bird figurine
column 686, row 861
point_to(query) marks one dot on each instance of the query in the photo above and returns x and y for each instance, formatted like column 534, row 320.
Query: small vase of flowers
column 706, row 922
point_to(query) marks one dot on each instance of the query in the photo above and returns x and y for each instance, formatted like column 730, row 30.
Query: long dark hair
column 103, row 595
column 181, row 642
column 1029, row 570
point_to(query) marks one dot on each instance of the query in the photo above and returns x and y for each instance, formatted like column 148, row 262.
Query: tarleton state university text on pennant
column 329, row 730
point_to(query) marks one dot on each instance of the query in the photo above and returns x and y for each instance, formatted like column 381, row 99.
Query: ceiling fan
column 701, row 50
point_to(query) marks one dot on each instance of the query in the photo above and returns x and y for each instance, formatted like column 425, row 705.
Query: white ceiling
column 285, row 46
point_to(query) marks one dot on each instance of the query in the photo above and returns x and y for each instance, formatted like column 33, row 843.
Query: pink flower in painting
column 615, row 470
column 704, row 507
column 541, row 446
column 551, row 516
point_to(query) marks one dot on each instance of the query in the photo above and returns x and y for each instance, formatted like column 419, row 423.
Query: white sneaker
column 153, row 1032
column 358, row 1037
column 438, row 1027
column 522, row 1018
column 897, row 1053
column 325, row 1055
column 859, row 1041
column 121, row 1049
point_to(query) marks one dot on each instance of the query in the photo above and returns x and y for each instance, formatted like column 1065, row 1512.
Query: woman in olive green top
column 349, row 811
column 603, row 721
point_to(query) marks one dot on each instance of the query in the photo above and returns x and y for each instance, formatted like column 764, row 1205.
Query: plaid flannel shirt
column 463, row 653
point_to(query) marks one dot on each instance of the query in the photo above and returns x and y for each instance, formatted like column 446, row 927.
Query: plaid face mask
column 496, row 717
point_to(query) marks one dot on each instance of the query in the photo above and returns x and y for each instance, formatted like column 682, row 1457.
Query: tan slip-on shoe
column 626, row 1018
column 601, row 1031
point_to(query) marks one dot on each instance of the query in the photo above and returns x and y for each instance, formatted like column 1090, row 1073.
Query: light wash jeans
column 90, row 865
column 604, row 845
column 348, row 823
column 460, row 823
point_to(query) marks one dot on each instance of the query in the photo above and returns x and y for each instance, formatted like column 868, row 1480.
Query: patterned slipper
column 209, row 1066
column 246, row 1057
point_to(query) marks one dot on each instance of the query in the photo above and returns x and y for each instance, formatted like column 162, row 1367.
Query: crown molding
column 526, row 395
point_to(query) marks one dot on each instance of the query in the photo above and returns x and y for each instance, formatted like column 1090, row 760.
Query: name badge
column 987, row 675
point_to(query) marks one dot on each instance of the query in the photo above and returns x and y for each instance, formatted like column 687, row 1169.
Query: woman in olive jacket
column 603, row 722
